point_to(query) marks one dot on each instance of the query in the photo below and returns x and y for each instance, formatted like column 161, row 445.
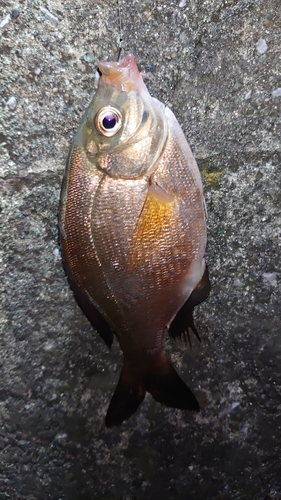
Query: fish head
column 124, row 129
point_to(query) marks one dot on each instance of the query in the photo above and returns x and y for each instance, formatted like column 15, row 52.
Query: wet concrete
column 56, row 374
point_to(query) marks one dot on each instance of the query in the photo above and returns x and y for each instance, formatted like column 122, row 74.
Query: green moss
column 64, row 387
column 212, row 179
column 211, row 174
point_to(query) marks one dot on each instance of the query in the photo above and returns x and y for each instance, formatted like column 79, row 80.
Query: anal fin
column 183, row 321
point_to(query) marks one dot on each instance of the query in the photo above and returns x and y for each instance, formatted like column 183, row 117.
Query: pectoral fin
column 154, row 223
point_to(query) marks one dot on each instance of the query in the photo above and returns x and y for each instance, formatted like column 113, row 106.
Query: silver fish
column 133, row 233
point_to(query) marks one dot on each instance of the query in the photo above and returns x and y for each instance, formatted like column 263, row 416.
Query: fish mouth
column 123, row 75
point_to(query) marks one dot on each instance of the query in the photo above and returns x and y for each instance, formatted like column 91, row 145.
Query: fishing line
column 120, row 30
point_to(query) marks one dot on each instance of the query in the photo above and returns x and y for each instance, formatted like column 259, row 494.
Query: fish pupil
column 109, row 121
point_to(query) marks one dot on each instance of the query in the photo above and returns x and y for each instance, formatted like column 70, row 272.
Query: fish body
column 133, row 233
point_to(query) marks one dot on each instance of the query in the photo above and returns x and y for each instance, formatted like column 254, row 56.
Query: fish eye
column 108, row 121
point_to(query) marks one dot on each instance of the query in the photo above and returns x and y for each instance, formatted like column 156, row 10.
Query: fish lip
column 107, row 67
column 123, row 75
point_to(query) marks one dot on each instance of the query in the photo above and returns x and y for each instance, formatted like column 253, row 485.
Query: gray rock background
column 56, row 374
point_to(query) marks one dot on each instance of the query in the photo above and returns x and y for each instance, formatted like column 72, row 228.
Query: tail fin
column 128, row 395
column 160, row 379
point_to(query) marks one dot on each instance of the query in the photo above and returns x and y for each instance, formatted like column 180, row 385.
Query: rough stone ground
column 56, row 375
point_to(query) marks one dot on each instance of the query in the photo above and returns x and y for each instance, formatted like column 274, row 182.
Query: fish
column 133, row 234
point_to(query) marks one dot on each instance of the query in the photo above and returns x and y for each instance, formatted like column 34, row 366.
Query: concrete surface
column 216, row 63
